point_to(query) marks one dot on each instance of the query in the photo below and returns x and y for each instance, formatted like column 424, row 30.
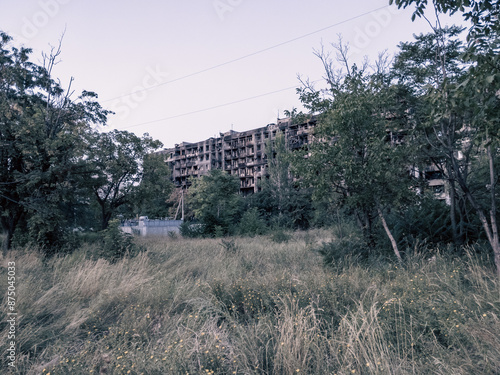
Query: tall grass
column 252, row 306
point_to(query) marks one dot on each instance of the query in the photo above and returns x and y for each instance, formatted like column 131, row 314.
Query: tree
column 155, row 187
column 216, row 201
column 116, row 169
column 476, row 99
column 422, row 67
column 285, row 204
column 42, row 152
column 360, row 156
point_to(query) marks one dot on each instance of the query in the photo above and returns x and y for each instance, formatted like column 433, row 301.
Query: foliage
column 155, row 187
column 116, row 162
column 216, row 201
column 54, row 165
column 251, row 223
column 464, row 113
column 116, row 244
column 360, row 159
column 42, row 154
column 285, row 204
column 192, row 230
column 345, row 252
column 427, row 221
column 416, row 66
column 182, row 307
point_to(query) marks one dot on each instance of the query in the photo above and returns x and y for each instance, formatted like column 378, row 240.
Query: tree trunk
column 491, row 228
column 7, row 242
column 9, row 225
column 389, row 234
column 105, row 220
column 453, row 215
column 364, row 221
column 493, row 211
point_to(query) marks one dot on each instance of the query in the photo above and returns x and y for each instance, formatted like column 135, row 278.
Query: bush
column 428, row 221
column 116, row 244
column 344, row 251
column 192, row 230
column 280, row 236
column 252, row 223
column 218, row 231
column 46, row 235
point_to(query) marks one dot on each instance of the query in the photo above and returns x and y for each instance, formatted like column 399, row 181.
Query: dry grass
column 252, row 307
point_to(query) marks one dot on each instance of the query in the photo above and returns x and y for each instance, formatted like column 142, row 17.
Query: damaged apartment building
column 238, row 153
column 244, row 154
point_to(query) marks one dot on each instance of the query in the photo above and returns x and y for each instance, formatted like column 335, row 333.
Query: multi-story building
column 245, row 154
column 239, row 153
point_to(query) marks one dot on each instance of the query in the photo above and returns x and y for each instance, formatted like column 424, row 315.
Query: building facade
column 245, row 154
column 242, row 154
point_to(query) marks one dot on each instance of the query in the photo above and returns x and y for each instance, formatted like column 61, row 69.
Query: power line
column 246, row 56
column 214, row 107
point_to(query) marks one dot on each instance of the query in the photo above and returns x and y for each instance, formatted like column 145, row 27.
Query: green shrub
column 344, row 251
column 47, row 236
column 116, row 244
column 91, row 238
column 192, row 230
column 280, row 236
column 252, row 223
column 218, row 231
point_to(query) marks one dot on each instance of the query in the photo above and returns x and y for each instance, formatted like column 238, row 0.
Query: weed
column 280, row 236
column 229, row 245
column 116, row 244
column 257, row 306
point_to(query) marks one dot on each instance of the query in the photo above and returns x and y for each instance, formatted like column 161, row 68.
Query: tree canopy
column 54, row 161
column 42, row 149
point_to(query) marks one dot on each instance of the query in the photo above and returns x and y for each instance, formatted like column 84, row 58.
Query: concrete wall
column 154, row 227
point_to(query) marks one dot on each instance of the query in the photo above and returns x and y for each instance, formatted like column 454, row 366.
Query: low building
column 145, row 227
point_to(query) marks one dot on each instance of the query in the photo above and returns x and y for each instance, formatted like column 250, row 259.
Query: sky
column 188, row 70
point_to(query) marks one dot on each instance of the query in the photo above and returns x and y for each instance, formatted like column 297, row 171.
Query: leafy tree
column 252, row 223
column 216, row 201
column 155, row 187
column 359, row 155
column 422, row 67
column 116, row 162
column 476, row 100
column 285, row 204
column 42, row 150
column 278, row 182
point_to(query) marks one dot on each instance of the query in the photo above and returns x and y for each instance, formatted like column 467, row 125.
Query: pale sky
column 187, row 70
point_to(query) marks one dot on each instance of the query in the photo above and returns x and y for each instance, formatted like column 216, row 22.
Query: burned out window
column 433, row 175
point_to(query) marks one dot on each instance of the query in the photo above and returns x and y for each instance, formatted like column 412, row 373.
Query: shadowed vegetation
column 250, row 306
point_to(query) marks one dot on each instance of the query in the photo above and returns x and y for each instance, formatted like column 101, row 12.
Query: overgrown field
column 252, row 306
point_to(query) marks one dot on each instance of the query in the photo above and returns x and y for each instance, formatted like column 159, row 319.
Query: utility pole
column 182, row 202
